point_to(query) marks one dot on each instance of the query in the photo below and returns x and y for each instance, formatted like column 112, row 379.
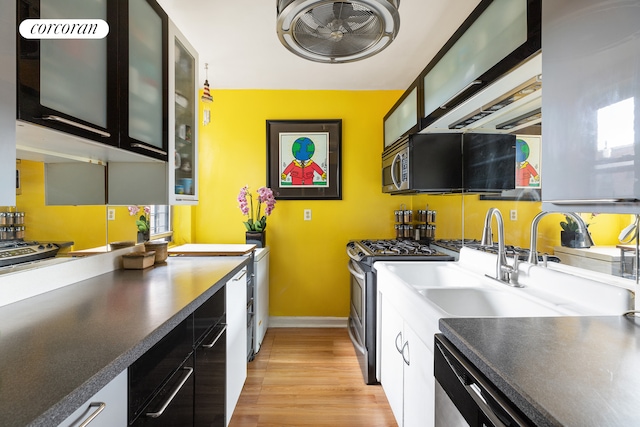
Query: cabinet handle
column 235, row 279
column 100, row 407
column 76, row 124
column 173, row 394
column 146, row 147
column 407, row 357
column 399, row 337
column 460, row 92
column 215, row 340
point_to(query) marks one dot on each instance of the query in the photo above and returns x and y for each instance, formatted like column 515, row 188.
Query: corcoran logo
column 64, row 29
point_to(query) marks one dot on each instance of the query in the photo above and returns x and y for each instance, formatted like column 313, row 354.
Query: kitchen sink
column 422, row 275
column 476, row 302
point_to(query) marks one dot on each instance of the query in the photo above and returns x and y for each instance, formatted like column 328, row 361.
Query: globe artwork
column 303, row 148
column 522, row 150
column 303, row 159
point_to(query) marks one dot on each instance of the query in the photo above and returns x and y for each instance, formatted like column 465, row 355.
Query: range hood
column 511, row 103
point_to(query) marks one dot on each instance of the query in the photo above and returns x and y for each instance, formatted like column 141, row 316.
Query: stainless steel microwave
column 423, row 163
column 450, row 163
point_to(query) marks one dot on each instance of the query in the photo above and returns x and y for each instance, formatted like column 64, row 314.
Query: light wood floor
column 309, row 377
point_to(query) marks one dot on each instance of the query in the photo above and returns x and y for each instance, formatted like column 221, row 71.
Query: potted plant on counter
column 256, row 223
column 571, row 236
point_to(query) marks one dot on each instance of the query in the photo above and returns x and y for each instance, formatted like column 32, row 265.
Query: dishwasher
column 464, row 397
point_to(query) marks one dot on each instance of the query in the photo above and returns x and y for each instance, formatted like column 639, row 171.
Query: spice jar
column 408, row 216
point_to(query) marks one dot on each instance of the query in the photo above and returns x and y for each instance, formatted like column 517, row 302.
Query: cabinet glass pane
column 73, row 73
column 185, row 117
column 402, row 119
column 145, row 73
column 500, row 29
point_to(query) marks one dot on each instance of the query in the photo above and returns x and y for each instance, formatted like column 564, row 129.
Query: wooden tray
column 211, row 249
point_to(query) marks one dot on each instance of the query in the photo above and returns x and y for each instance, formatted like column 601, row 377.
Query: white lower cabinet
column 406, row 370
column 108, row 406
column 236, row 311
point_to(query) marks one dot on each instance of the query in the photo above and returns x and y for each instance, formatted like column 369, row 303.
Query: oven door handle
column 353, row 271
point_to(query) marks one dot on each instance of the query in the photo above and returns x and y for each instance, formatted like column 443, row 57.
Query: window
column 160, row 219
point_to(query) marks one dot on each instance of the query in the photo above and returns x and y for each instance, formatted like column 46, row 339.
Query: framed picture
column 304, row 159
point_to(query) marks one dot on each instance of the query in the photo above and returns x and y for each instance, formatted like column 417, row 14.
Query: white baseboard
column 307, row 322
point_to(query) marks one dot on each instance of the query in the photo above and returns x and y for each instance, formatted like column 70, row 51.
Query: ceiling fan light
column 335, row 31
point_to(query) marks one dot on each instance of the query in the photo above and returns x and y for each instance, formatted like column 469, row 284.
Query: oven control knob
column 49, row 245
column 40, row 247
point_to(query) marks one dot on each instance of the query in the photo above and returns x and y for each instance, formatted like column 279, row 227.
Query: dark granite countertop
column 560, row 371
column 59, row 348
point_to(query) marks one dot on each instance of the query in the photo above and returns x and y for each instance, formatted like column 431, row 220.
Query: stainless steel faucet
column 505, row 273
column 533, row 247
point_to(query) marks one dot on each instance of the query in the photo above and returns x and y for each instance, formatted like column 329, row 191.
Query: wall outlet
column 111, row 214
column 514, row 215
column 307, row 214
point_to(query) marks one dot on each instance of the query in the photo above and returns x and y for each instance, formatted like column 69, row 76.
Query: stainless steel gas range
column 452, row 247
column 362, row 317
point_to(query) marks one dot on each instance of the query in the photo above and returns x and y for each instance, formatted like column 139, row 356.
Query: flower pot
column 572, row 239
column 256, row 238
column 143, row 236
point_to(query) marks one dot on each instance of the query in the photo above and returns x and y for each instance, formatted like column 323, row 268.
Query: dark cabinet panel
column 210, row 382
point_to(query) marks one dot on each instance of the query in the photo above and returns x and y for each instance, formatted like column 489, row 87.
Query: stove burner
column 397, row 247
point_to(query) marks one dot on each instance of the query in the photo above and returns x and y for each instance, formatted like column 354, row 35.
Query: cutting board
column 210, row 249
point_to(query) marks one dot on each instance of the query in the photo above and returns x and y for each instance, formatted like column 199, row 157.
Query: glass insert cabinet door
column 145, row 116
column 183, row 111
column 69, row 84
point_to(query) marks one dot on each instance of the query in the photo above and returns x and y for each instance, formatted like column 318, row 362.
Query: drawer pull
column 173, row 394
column 100, row 408
column 215, row 340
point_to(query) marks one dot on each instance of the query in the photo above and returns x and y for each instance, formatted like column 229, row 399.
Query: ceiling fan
column 336, row 31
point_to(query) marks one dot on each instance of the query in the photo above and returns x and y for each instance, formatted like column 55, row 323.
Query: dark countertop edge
column 513, row 392
column 67, row 405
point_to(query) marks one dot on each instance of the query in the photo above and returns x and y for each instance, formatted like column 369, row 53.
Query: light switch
column 307, row 214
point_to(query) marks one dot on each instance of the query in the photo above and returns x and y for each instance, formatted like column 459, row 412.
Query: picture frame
column 304, row 159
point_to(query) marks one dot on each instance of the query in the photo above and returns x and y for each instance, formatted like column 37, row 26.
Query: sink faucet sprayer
column 505, row 273
column 533, row 251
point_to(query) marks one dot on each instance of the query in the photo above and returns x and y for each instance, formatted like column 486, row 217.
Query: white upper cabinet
column 591, row 106
column 183, row 119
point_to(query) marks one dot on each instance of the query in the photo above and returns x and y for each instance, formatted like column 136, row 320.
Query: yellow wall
column 308, row 260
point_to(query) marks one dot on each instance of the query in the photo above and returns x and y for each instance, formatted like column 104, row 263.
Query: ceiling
column 238, row 39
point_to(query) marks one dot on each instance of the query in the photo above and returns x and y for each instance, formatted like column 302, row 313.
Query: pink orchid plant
column 255, row 222
column 142, row 222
